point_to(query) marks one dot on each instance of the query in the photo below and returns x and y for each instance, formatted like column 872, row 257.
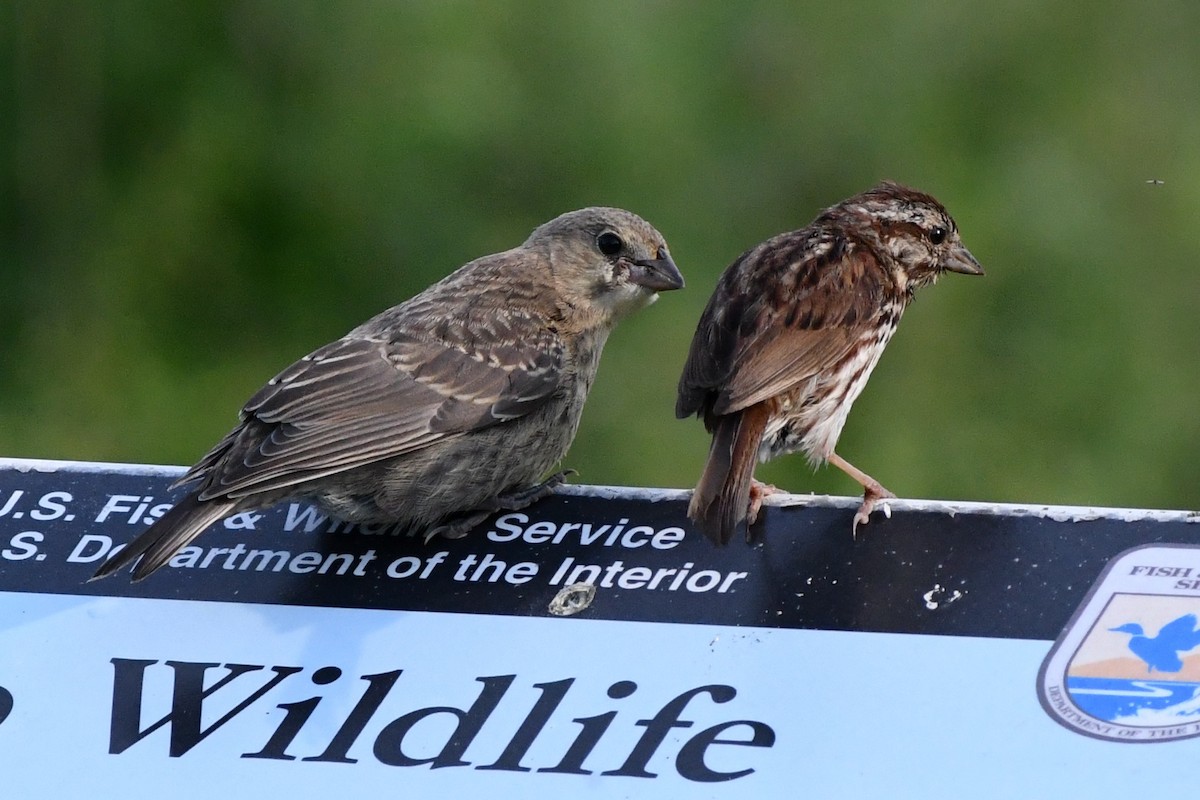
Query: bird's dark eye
column 609, row 243
column 937, row 235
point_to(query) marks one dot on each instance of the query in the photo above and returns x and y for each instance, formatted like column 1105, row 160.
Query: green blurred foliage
column 192, row 195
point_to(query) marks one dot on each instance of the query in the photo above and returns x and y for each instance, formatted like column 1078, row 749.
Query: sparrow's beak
column 961, row 260
column 658, row 274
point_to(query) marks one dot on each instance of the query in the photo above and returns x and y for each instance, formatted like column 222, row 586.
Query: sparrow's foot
column 758, row 492
column 873, row 495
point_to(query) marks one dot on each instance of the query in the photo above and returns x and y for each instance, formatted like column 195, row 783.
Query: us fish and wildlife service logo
column 1127, row 666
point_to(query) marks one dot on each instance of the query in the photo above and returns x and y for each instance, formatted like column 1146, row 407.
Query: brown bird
column 441, row 410
column 791, row 335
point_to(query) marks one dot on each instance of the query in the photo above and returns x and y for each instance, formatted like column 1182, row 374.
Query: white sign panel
column 289, row 655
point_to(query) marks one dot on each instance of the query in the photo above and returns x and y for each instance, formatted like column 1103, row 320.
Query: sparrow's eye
column 937, row 235
column 609, row 243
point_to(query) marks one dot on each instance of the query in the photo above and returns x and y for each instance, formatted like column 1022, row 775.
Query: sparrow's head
column 606, row 260
column 915, row 230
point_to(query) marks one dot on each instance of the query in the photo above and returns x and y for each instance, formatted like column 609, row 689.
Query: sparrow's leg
column 873, row 491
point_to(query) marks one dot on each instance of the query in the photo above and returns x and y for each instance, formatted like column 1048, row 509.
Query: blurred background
column 193, row 195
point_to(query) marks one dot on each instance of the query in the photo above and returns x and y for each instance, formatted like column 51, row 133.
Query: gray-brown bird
column 791, row 335
column 441, row 410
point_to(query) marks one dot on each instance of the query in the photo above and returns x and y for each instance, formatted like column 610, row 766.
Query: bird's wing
column 363, row 399
column 779, row 363
column 777, row 320
column 1181, row 632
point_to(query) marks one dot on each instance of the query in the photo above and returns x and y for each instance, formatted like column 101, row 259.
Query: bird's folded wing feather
column 802, row 319
column 366, row 398
column 779, row 363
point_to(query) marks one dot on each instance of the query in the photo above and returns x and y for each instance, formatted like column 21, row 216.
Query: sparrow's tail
column 722, row 498
column 167, row 536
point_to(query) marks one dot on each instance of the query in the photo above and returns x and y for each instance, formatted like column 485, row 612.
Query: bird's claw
column 758, row 492
column 873, row 496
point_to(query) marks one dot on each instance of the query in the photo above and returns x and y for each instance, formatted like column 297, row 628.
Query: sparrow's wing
column 779, row 363
column 363, row 399
column 778, row 319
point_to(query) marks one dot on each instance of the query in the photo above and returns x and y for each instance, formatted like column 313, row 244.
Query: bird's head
column 917, row 231
column 606, row 261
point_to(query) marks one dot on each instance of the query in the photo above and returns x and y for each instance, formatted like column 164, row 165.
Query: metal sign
column 1127, row 666
column 591, row 644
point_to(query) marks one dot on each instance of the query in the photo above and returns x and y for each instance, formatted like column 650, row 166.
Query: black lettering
column 187, row 700
column 662, row 723
column 690, row 761
column 585, row 742
column 377, row 689
column 593, row 729
column 6, row 704
column 389, row 745
column 539, row 715
column 295, row 715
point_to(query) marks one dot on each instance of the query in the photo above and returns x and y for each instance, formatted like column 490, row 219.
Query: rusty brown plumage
column 791, row 334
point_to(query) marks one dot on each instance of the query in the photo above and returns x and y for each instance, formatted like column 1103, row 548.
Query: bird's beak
column 961, row 260
column 657, row 274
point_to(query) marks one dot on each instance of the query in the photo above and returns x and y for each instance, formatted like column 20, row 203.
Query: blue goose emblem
column 1126, row 668
column 1161, row 652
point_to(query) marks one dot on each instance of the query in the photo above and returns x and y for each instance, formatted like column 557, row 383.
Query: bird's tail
column 722, row 498
column 167, row 536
